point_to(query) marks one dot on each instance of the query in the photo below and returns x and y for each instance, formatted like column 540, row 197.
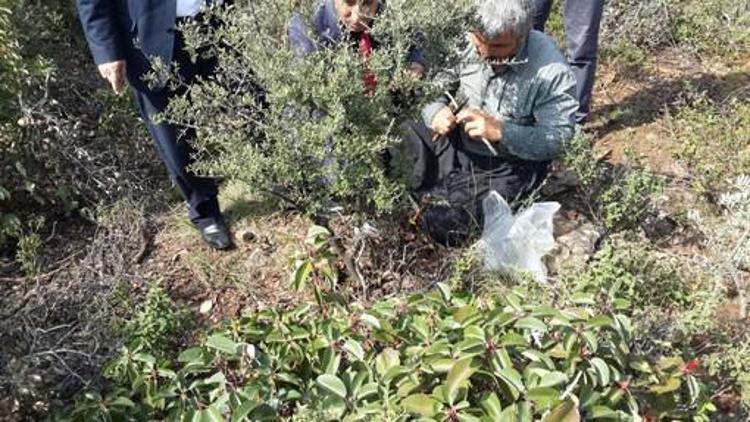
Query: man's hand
column 480, row 125
column 443, row 122
column 114, row 73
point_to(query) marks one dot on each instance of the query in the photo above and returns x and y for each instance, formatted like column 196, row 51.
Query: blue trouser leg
column 543, row 8
column 172, row 144
column 582, row 23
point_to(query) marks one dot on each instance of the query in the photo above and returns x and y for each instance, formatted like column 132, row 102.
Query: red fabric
column 365, row 49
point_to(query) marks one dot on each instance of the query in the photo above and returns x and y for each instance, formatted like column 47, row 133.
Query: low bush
column 713, row 139
column 620, row 197
column 633, row 28
column 67, row 142
column 434, row 356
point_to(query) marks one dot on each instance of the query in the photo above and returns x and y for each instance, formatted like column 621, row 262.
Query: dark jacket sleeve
column 102, row 33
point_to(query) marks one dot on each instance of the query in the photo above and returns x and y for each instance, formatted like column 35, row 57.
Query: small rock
column 248, row 236
column 206, row 306
column 659, row 226
column 574, row 248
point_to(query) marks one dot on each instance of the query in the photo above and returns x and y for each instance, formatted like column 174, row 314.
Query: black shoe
column 217, row 236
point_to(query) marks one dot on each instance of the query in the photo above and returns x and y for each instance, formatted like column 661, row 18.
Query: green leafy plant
column 631, row 272
column 434, row 356
column 619, row 197
column 148, row 337
column 713, row 141
column 317, row 132
column 316, row 262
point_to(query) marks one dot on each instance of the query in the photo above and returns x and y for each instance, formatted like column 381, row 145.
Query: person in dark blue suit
column 125, row 37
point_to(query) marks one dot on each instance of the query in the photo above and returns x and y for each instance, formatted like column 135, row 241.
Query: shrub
column 713, row 139
column 58, row 121
column 321, row 136
column 636, row 273
column 439, row 355
column 714, row 27
column 619, row 197
column 646, row 24
column 711, row 28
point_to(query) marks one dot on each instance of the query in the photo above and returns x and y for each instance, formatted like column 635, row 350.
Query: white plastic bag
column 517, row 242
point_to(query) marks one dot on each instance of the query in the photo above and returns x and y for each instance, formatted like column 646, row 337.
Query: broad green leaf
column 457, row 377
column 624, row 326
column 222, row 344
column 320, row 343
column 421, row 404
column 419, row 325
column 290, row 378
column 500, row 318
column 406, row 386
column 671, row 384
column 670, row 363
column 191, row 355
column 622, row 304
column 537, row 356
column 474, row 331
column 531, row 323
column 464, row 313
column 512, row 379
column 367, row 390
column 442, row 366
column 491, row 405
column 602, row 371
column 553, row 379
column 241, row 412
column 217, row 378
column 440, row 347
column 545, row 311
column 123, row 402
column 386, row 360
column 332, row 384
column 263, row 412
column 145, row 358
column 471, row 345
column 641, row 365
column 210, row 414
column 602, row 412
column 512, row 338
column 519, row 412
column 302, row 271
column 591, row 341
column 599, row 321
column 514, row 301
column 445, row 292
column 566, row 411
column 543, row 396
column 371, row 321
column 584, row 299
column 331, row 361
column 355, row 350
column 395, row 372
column 333, row 408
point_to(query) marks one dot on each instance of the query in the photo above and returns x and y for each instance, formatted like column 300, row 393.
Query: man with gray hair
column 508, row 110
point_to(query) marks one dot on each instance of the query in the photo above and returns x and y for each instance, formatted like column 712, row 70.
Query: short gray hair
column 496, row 17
